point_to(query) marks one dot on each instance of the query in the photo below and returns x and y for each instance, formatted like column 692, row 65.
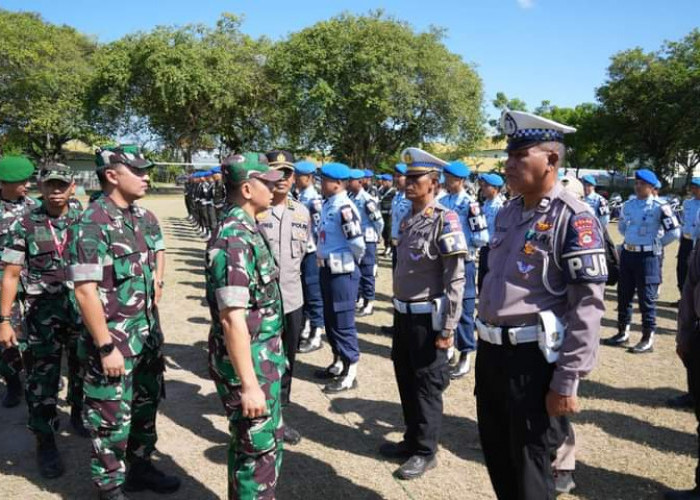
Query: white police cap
column 421, row 162
column 525, row 129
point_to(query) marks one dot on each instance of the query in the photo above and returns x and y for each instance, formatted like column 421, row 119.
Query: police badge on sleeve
column 583, row 254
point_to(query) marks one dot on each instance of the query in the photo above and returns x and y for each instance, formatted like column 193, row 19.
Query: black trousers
column 483, row 266
column 518, row 437
column 422, row 374
column 693, row 367
column 684, row 250
column 291, row 335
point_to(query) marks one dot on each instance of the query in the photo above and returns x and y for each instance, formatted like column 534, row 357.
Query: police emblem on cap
column 407, row 158
column 509, row 125
column 281, row 158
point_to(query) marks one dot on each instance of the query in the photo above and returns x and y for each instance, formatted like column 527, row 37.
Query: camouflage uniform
column 241, row 272
column 117, row 249
column 52, row 323
column 10, row 359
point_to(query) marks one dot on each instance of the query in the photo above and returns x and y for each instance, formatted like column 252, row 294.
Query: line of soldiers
column 88, row 283
column 205, row 197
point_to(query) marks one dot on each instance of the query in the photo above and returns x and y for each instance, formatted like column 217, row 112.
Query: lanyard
column 60, row 246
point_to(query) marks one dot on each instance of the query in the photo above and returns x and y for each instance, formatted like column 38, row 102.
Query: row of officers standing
column 540, row 288
column 541, row 301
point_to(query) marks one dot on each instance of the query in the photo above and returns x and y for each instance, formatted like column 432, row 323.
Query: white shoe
column 367, row 310
column 463, row 366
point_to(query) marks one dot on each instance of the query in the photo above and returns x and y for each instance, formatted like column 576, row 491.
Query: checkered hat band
column 537, row 134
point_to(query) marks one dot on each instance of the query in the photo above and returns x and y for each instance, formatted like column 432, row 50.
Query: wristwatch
column 106, row 349
column 446, row 334
column 4, row 319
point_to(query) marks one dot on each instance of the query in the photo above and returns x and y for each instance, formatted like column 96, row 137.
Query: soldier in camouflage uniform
column 113, row 263
column 246, row 354
column 37, row 241
column 15, row 172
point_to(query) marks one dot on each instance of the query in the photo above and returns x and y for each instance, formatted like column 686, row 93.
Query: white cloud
column 526, row 4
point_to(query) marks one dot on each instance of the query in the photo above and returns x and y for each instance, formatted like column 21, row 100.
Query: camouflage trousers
column 11, row 359
column 120, row 414
column 50, row 328
column 255, row 448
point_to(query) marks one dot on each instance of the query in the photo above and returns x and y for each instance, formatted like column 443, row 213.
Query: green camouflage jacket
column 117, row 249
column 39, row 242
column 242, row 273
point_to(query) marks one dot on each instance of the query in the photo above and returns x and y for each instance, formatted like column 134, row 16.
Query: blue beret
column 357, row 173
column 647, row 176
column 304, row 167
column 336, row 171
column 369, row 174
column 216, row 170
column 695, row 181
column 493, row 179
column 457, row 169
column 386, row 177
column 589, row 179
column 401, row 168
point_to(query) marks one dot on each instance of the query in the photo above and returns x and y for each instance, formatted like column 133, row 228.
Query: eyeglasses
column 287, row 173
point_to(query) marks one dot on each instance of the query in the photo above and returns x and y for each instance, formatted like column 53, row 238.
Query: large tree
column 44, row 73
column 649, row 99
column 192, row 85
column 361, row 88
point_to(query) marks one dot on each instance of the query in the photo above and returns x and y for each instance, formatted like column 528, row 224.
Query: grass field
column 630, row 445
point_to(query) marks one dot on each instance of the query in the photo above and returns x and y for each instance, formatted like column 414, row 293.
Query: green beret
column 15, row 169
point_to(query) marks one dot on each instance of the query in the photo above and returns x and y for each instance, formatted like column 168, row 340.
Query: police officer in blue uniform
column 647, row 224
column 597, row 202
column 690, row 231
column 341, row 246
column 490, row 185
column 372, row 227
column 313, row 301
column 475, row 231
column 368, row 184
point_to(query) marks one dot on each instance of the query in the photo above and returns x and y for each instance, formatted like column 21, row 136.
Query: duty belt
column 423, row 307
column 515, row 335
column 638, row 248
column 688, row 236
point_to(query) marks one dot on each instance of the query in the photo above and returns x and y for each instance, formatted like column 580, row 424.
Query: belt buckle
column 512, row 336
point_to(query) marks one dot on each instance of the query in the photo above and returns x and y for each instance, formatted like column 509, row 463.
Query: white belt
column 688, row 236
column 516, row 335
column 425, row 307
column 638, row 248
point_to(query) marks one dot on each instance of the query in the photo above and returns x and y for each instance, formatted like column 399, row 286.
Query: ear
column 552, row 159
column 111, row 176
column 246, row 191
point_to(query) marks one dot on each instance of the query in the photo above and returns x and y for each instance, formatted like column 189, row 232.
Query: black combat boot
column 645, row 345
column 416, row 466
column 620, row 338
column 143, row 475
column 113, row 494
column 47, row 457
column 13, row 394
column 76, row 422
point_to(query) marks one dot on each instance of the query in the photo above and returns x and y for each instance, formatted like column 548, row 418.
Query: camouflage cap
column 56, row 171
column 15, row 169
column 242, row 167
column 126, row 154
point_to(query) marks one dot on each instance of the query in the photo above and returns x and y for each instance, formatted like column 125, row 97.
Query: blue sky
column 532, row 49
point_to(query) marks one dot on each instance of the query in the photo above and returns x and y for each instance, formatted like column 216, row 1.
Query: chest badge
column 543, row 226
column 529, row 248
column 524, row 269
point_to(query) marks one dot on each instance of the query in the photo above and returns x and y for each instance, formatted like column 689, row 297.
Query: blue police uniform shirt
column 690, row 228
column 340, row 231
column 490, row 209
column 313, row 202
column 400, row 207
column 370, row 215
column 474, row 224
column 600, row 207
column 644, row 222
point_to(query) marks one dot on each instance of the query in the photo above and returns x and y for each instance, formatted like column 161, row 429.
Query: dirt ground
column 629, row 444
